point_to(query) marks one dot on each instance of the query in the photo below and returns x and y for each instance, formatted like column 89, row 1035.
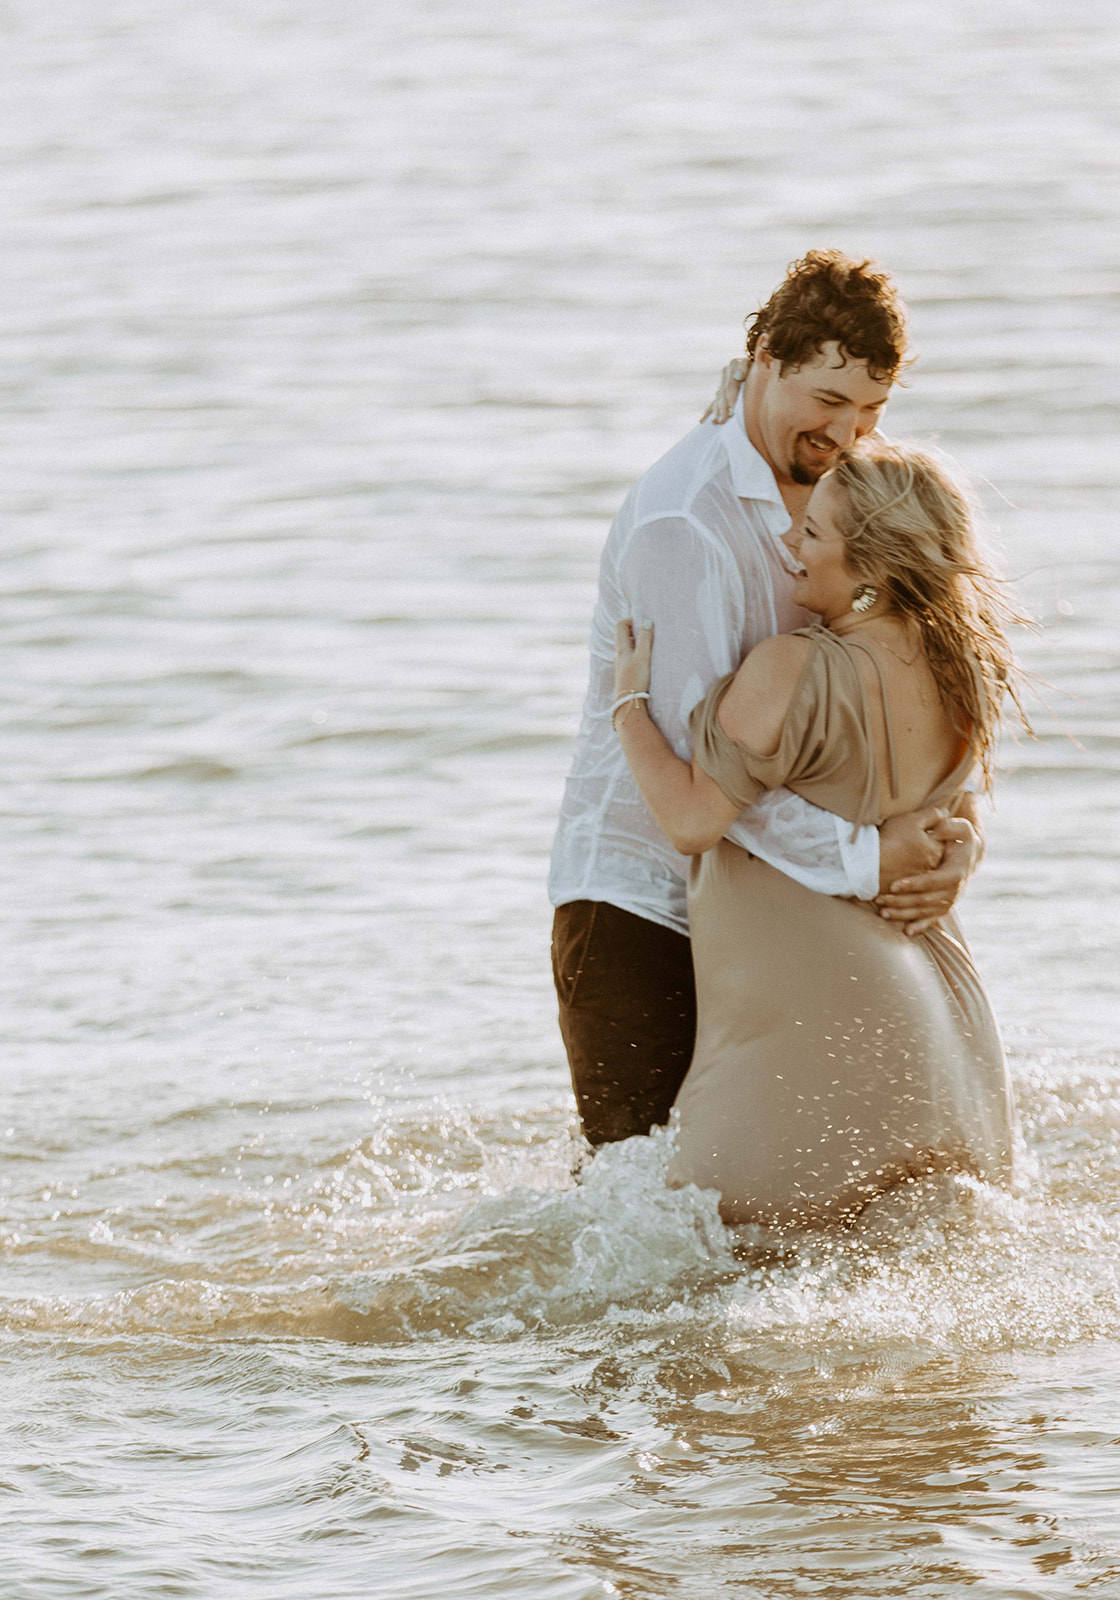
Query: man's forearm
column 809, row 845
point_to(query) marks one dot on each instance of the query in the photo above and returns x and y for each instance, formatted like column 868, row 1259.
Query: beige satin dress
column 834, row 1055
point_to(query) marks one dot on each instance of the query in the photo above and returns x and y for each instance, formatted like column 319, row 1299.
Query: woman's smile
column 822, row 580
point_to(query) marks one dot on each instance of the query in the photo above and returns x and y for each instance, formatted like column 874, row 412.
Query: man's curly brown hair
column 826, row 296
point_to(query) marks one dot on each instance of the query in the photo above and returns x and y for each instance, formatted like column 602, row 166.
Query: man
column 696, row 549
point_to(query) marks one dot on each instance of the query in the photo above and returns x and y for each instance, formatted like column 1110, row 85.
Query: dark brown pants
column 627, row 1015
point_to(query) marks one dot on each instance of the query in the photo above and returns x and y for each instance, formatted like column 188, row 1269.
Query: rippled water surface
column 333, row 336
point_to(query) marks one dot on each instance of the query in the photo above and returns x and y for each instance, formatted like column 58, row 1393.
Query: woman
column 834, row 1056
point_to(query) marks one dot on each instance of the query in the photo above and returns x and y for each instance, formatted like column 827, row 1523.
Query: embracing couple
column 798, row 657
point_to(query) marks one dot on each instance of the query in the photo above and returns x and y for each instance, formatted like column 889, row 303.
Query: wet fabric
column 695, row 549
column 835, row 1056
column 627, row 1015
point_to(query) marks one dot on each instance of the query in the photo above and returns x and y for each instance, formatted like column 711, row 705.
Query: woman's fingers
column 730, row 381
column 632, row 656
column 624, row 635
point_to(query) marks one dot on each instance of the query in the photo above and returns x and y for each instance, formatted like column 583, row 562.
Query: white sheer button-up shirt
column 696, row 549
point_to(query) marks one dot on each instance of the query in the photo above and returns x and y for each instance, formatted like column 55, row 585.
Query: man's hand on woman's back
column 925, row 860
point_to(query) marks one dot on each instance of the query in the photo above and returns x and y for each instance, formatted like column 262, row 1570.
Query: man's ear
column 762, row 353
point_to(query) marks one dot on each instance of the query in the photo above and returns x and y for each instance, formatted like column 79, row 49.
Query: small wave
column 498, row 743
column 528, row 1259
column 190, row 770
column 946, row 1263
column 446, row 1226
column 345, row 736
column 523, row 1259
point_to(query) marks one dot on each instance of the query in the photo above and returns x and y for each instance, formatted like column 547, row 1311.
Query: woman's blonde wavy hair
column 909, row 528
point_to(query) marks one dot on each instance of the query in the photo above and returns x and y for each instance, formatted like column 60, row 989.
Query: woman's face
column 826, row 583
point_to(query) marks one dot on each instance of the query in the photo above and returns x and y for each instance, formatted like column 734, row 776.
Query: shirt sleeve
column 811, row 845
column 676, row 576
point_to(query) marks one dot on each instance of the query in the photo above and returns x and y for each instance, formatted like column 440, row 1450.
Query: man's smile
column 820, row 445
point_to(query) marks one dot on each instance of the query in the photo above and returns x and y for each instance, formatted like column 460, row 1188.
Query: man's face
column 800, row 420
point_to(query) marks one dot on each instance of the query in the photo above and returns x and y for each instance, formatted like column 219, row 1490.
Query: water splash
column 448, row 1227
column 528, row 1258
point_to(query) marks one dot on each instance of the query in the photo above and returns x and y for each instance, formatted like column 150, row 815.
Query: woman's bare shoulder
column 755, row 705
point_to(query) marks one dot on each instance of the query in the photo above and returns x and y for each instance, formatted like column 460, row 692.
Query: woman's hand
column 631, row 657
column 730, row 382
column 690, row 807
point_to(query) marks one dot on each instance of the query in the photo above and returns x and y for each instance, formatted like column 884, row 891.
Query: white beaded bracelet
column 625, row 699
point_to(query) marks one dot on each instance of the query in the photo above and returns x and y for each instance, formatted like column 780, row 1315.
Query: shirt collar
column 751, row 476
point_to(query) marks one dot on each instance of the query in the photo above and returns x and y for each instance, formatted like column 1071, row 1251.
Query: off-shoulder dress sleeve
column 726, row 762
column 823, row 730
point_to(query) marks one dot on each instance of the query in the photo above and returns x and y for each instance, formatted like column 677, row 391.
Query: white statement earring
column 864, row 597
